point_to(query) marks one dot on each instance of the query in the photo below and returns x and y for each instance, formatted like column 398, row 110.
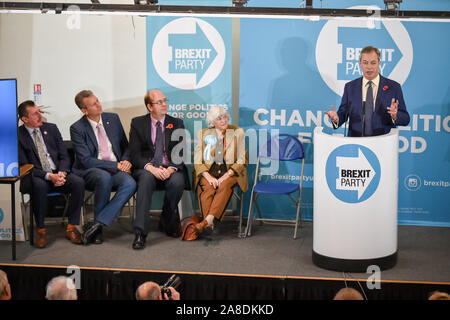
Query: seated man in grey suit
column 102, row 159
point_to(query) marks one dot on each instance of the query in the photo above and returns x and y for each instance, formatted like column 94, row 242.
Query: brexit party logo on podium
column 340, row 42
column 188, row 53
column 353, row 173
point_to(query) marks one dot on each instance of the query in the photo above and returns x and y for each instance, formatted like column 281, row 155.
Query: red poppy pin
column 169, row 126
column 225, row 144
column 385, row 88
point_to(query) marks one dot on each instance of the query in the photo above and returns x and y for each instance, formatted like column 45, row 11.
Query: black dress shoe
column 99, row 237
column 139, row 241
column 90, row 235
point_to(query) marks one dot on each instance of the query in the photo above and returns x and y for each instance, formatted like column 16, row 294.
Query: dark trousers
column 74, row 185
column 146, row 185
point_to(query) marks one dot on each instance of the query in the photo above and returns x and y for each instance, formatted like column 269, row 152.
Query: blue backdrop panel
column 8, row 129
column 189, row 59
column 292, row 70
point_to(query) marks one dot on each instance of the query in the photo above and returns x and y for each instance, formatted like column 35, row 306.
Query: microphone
column 364, row 119
column 347, row 112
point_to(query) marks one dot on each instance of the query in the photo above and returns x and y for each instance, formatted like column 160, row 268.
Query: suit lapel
column 168, row 128
column 107, row 124
column 45, row 136
column 148, row 131
column 29, row 140
column 380, row 92
column 229, row 140
column 358, row 95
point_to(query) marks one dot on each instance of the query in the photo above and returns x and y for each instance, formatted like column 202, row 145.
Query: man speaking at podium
column 373, row 103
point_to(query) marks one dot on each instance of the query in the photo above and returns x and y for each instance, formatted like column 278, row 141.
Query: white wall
column 107, row 54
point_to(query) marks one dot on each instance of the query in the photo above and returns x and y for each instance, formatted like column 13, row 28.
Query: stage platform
column 270, row 258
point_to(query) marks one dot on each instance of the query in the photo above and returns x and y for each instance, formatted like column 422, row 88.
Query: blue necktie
column 159, row 146
column 369, row 111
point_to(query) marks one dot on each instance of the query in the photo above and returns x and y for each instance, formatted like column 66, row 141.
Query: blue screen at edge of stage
column 8, row 129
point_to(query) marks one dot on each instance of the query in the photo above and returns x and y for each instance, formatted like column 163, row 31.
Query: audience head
column 348, row 294
column 5, row 289
column 152, row 291
column 30, row 114
column 61, row 288
column 148, row 291
column 437, row 295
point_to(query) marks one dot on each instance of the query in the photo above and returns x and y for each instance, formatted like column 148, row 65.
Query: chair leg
column 241, row 208
column 298, row 220
column 249, row 218
column 66, row 207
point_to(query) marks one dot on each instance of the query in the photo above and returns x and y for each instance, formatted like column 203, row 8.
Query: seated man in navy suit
column 157, row 141
column 102, row 159
column 373, row 103
column 41, row 144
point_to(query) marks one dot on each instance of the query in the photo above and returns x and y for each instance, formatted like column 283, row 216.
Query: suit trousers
column 147, row 184
column 102, row 183
column 74, row 185
column 214, row 201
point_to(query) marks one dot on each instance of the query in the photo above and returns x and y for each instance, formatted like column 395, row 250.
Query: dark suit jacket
column 86, row 146
column 28, row 153
column 381, row 119
column 142, row 149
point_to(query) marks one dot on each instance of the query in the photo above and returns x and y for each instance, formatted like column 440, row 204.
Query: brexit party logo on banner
column 353, row 173
column 188, row 53
column 340, row 43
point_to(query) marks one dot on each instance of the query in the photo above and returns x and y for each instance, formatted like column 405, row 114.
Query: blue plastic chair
column 289, row 149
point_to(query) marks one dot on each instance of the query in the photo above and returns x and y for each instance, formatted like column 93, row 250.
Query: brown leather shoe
column 200, row 227
column 41, row 239
column 74, row 235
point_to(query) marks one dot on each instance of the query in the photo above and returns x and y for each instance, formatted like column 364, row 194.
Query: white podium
column 355, row 201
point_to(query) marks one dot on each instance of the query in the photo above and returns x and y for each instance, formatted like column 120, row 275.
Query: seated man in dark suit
column 41, row 144
column 153, row 138
column 102, row 159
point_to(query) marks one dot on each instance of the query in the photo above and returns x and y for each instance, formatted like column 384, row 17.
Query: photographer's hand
column 174, row 296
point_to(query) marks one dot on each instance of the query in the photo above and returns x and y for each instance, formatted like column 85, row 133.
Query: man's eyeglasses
column 160, row 102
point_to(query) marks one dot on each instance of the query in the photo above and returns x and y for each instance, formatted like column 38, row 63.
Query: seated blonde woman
column 220, row 162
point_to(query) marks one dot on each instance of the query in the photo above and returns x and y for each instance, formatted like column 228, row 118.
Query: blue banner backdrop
column 291, row 70
column 189, row 59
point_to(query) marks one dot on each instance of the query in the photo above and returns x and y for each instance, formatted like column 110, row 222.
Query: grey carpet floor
column 423, row 253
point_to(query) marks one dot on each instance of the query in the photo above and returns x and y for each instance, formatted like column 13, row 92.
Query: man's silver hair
column 61, row 288
column 214, row 113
